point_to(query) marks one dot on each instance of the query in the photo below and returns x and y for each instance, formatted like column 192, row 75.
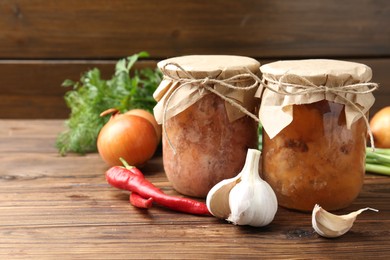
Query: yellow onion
column 149, row 116
column 380, row 127
column 126, row 136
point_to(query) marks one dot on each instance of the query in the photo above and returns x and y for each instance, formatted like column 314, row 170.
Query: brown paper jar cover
column 205, row 139
column 315, row 151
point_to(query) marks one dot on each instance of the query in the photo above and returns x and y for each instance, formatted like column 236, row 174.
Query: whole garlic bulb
column 245, row 199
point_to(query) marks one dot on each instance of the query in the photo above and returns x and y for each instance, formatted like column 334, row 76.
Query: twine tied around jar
column 207, row 84
column 310, row 88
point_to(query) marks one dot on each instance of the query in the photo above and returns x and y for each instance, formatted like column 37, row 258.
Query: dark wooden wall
column 43, row 42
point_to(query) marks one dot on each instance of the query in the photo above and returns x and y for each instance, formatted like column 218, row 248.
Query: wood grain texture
column 32, row 89
column 76, row 29
column 62, row 207
column 44, row 42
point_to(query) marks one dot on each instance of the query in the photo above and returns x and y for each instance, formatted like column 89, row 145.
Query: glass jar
column 206, row 141
column 317, row 156
column 316, row 159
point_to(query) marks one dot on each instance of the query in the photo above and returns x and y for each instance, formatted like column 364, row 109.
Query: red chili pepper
column 133, row 180
column 140, row 202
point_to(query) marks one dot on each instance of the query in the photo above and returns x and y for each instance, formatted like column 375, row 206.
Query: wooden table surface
column 61, row 207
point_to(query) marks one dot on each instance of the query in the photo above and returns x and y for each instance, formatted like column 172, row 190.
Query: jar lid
column 323, row 72
column 187, row 79
column 200, row 66
column 297, row 82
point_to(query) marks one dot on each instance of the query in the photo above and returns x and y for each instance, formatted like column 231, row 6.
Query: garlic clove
column 329, row 225
column 240, row 200
column 217, row 200
column 249, row 207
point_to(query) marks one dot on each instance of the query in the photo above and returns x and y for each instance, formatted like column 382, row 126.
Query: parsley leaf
column 92, row 95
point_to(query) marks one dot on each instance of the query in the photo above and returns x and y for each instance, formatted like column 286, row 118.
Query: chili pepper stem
column 126, row 164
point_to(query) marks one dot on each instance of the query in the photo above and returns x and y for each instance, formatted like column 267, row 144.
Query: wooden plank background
column 43, row 42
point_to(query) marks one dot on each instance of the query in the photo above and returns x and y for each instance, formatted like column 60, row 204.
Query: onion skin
column 380, row 127
column 130, row 137
column 150, row 117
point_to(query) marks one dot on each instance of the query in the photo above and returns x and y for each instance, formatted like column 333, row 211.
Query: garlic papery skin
column 329, row 225
column 217, row 200
column 252, row 201
column 245, row 199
